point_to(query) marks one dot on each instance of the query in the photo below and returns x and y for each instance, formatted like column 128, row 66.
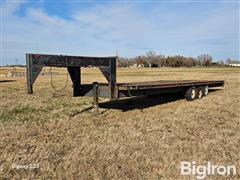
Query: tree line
column 151, row 59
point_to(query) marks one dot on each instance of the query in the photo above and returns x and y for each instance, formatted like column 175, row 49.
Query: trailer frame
column 112, row 89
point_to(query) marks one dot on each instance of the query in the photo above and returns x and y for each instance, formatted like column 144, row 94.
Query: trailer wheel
column 205, row 91
column 200, row 92
column 191, row 94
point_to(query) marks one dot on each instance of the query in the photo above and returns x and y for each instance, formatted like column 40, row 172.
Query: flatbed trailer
column 192, row 89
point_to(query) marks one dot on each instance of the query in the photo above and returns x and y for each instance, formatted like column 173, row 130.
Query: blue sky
column 97, row 28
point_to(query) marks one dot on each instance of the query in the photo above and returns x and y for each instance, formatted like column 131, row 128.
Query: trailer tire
column 191, row 94
column 205, row 90
column 200, row 92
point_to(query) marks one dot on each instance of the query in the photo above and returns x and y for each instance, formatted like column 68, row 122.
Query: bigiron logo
column 202, row 171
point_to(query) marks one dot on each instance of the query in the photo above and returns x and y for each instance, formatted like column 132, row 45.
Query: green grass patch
column 20, row 114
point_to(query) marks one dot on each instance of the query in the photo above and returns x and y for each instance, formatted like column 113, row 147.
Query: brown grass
column 143, row 138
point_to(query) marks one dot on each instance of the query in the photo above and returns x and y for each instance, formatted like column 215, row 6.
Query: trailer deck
column 166, row 84
column 35, row 62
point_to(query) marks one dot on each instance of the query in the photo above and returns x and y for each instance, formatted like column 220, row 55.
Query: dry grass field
column 143, row 138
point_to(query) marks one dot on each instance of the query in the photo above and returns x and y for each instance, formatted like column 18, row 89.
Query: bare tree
column 122, row 62
column 205, row 60
column 161, row 61
column 151, row 58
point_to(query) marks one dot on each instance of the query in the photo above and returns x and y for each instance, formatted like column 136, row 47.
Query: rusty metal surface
column 65, row 61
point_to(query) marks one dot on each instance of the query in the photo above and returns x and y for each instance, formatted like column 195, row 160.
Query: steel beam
column 33, row 71
column 75, row 74
column 29, row 74
column 65, row 61
column 95, row 96
column 112, row 79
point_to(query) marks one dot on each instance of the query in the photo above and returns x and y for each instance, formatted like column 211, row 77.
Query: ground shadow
column 143, row 101
column 140, row 102
column 4, row 81
column 213, row 90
